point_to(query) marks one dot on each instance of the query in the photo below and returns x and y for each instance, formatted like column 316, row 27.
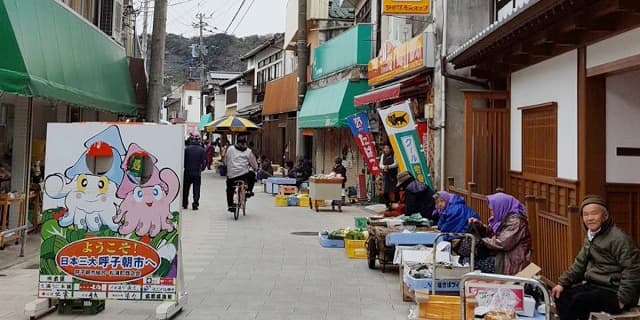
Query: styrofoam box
column 330, row 243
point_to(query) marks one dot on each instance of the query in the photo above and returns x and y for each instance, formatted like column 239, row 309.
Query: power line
column 242, row 18
column 234, row 16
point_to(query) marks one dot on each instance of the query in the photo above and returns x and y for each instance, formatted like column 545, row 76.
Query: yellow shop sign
column 396, row 61
column 406, row 7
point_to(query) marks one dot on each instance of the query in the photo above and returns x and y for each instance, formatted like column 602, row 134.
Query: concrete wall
column 554, row 80
column 465, row 18
column 623, row 117
column 193, row 109
column 615, row 48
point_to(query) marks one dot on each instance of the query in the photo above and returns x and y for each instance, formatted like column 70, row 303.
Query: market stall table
column 6, row 235
column 321, row 189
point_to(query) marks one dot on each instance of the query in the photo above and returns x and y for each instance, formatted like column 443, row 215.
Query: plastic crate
column 292, row 201
column 303, row 201
column 355, row 249
column 325, row 242
column 281, row 201
column 361, row 222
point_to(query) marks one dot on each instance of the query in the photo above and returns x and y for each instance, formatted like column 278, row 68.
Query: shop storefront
column 57, row 68
column 398, row 74
column 337, row 77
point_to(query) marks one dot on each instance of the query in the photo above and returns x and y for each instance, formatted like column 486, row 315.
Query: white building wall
column 245, row 96
column 623, row 117
column 615, row 48
column 554, row 80
column 193, row 109
column 220, row 105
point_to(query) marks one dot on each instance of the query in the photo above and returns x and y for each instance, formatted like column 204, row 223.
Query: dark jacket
column 512, row 243
column 194, row 159
column 610, row 260
column 340, row 169
column 418, row 198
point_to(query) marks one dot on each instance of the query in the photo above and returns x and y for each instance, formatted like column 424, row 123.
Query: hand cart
column 497, row 277
column 378, row 247
column 325, row 189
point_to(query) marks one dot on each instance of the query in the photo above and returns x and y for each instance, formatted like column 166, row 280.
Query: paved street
column 253, row 268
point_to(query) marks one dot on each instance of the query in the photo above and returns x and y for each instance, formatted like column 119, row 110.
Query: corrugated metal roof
column 281, row 95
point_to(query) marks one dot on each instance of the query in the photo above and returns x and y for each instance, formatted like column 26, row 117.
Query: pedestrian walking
column 194, row 162
column 209, row 150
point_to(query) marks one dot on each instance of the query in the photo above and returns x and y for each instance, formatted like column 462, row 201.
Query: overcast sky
column 255, row 17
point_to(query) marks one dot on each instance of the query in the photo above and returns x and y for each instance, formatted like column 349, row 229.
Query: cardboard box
column 438, row 307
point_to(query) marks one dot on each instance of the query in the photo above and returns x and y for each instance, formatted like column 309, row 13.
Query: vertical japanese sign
column 111, row 216
column 401, row 129
column 359, row 125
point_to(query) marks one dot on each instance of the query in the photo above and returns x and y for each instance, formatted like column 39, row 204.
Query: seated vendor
column 605, row 275
column 417, row 195
column 396, row 208
column 507, row 236
column 453, row 213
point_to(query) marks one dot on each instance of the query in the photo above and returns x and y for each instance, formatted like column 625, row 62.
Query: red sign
column 359, row 125
column 109, row 260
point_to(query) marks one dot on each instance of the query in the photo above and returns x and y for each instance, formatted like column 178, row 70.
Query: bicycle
column 239, row 199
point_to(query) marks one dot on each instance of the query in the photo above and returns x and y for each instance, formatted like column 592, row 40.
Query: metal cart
column 496, row 277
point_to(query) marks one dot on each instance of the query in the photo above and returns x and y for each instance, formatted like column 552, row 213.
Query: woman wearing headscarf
column 510, row 237
column 453, row 213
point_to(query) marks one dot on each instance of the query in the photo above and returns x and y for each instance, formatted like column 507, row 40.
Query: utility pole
column 301, row 47
column 145, row 19
column 201, row 50
column 302, row 51
column 156, row 74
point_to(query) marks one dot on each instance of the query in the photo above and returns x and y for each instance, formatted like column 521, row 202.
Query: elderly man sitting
column 605, row 275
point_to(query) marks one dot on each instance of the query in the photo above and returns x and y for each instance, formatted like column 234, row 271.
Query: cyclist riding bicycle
column 239, row 161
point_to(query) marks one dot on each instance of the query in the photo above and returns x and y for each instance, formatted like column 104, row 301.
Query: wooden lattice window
column 540, row 139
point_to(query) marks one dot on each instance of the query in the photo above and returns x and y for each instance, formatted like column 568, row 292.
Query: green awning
column 50, row 52
column 329, row 106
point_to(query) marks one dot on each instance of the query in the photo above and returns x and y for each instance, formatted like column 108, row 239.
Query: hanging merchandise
column 401, row 129
column 359, row 125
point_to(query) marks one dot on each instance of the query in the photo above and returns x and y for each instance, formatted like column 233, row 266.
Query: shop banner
column 111, row 216
column 401, row 130
column 359, row 125
column 406, row 7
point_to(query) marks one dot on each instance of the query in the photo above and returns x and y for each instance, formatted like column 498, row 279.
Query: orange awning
column 280, row 95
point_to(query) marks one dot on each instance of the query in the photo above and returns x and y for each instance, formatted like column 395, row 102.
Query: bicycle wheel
column 236, row 212
column 236, row 202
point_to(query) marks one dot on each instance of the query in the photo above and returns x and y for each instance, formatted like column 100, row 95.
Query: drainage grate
column 33, row 266
column 305, row 233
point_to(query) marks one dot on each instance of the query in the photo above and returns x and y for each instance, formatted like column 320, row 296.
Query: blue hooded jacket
column 455, row 216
